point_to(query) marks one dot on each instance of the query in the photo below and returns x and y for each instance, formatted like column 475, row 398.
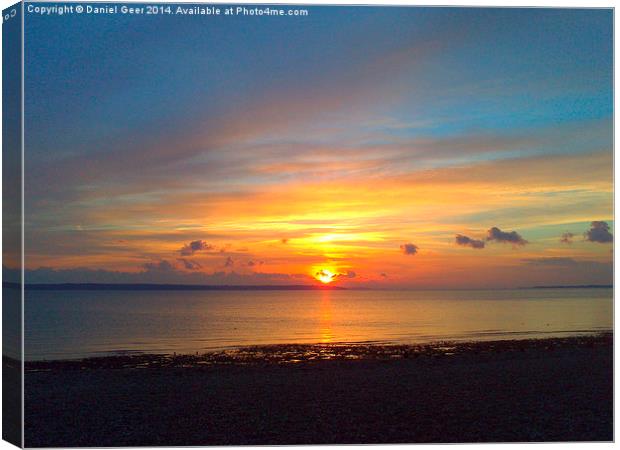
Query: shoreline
column 314, row 353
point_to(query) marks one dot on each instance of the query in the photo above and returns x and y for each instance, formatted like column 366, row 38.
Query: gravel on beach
column 504, row 391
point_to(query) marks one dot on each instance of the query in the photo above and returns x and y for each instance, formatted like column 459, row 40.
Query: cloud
column 512, row 237
column 409, row 249
column 195, row 246
column 469, row 242
column 333, row 276
column 599, row 232
column 189, row 265
column 551, row 261
column 569, row 271
column 229, row 262
column 160, row 272
column 347, row 274
column 161, row 266
column 567, row 238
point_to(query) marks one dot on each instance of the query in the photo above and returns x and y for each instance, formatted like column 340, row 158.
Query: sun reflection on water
column 325, row 318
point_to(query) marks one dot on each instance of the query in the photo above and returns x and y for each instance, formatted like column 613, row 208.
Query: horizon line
column 228, row 287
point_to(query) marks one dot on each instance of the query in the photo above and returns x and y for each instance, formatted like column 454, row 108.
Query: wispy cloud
column 552, row 261
column 160, row 266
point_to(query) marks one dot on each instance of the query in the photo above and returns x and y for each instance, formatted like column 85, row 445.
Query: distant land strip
column 584, row 286
column 209, row 287
column 164, row 287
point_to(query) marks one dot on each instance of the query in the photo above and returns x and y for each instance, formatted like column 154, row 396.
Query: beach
column 500, row 391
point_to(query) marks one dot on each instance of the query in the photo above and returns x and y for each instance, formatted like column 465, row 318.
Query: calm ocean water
column 71, row 324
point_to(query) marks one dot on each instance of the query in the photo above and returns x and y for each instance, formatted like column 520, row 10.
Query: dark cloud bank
column 159, row 272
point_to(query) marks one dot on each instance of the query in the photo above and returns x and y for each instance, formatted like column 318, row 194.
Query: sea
column 75, row 324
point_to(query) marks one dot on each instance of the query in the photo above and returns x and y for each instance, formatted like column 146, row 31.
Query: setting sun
column 325, row 276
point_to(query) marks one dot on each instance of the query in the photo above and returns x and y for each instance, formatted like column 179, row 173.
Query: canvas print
column 230, row 224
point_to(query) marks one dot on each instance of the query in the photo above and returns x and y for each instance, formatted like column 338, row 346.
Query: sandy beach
column 503, row 391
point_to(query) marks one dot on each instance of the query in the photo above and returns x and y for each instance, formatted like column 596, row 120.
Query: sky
column 361, row 146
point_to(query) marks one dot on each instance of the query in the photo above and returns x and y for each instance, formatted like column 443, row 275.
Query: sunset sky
column 369, row 147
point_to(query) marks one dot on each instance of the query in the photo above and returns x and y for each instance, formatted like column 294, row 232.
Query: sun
column 325, row 276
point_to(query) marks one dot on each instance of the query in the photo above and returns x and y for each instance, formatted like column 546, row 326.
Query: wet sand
column 503, row 391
